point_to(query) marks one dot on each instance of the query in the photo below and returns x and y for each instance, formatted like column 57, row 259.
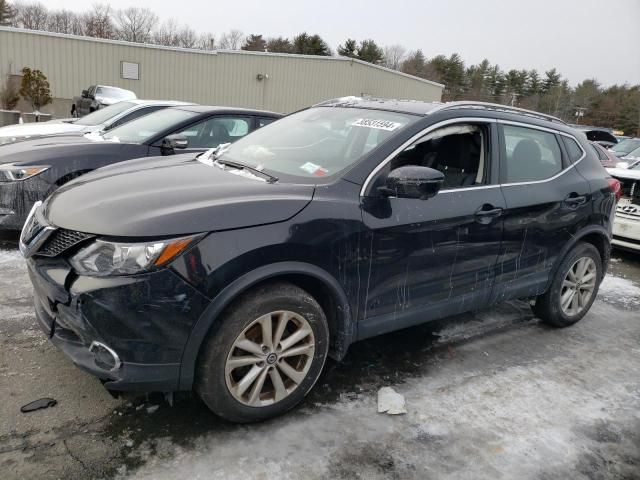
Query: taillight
column 616, row 187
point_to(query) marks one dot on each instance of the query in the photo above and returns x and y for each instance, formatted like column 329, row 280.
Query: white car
column 626, row 227
column 100, row 120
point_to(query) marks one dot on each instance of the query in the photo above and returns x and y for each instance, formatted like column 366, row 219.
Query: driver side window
column 458, row 151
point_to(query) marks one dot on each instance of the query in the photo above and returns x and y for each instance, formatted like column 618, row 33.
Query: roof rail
column 498, row 107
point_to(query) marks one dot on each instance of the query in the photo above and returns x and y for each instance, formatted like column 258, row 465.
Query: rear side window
column 530, row 155
column 599, row 153
column 262, row 121
column 574, row 150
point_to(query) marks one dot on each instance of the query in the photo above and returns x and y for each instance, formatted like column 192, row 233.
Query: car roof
column 176, row 103
column 202, row 109
column 424, row 109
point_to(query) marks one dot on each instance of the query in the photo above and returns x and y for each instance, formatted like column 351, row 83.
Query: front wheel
column 574, row 288
column 265, row 355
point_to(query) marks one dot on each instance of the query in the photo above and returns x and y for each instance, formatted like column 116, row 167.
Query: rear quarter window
column 573, row 149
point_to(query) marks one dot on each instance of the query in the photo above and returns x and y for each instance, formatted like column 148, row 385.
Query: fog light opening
column 104, row 356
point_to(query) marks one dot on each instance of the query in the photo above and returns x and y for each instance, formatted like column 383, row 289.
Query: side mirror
column 172, row 142
column 413, row 182
column 85, row 93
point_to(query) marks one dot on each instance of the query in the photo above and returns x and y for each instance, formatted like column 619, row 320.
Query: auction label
column 379, row 124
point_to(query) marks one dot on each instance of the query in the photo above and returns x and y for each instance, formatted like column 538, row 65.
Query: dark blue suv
column 236, row 272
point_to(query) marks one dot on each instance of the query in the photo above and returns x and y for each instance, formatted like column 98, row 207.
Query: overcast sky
column 581, row 38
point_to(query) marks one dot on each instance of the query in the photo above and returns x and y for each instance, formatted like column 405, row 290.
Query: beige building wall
column 288, row 82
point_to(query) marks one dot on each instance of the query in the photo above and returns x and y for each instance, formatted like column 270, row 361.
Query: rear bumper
column 626, row 233
column 145, row 320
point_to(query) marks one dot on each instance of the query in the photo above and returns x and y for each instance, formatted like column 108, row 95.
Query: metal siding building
column 221, row 77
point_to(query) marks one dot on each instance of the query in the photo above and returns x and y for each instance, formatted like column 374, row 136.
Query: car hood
column 45, row 150
column 167, row 196
column 38, row 130
column 627, row 173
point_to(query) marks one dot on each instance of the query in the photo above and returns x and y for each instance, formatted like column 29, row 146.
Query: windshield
column 104, row 114
column 115, row 93
column 317, row 142
column 634, row 153
column 627, row 146
column 145, row 128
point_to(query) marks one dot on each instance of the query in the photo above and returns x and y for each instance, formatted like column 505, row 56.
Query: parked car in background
column 607, row 159
column 103, row 120
column 626, row 228
column 603, row 136
column 625, row 147
column 97, row 97
column 31, row 170
column 238, row 272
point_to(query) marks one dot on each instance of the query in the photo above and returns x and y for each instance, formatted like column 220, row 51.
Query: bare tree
column 135, row 24
column 187, row 37
column 206, row 41
column 166, row 34
column 98, row 23
column 394, row 55
column 231, row 40
column 61, row 21
column 33, row 16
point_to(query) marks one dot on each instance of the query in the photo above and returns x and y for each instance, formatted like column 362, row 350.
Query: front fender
column 344, row 333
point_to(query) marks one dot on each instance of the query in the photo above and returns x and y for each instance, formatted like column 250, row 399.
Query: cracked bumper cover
column 146, row 319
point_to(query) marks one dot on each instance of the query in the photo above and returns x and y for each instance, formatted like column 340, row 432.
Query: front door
column 426, row 259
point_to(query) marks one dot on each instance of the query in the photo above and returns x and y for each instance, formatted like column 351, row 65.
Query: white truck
column 99, row 96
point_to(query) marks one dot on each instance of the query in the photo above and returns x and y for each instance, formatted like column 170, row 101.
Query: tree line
column 616, row 106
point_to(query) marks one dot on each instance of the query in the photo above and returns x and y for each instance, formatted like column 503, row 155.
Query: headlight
column 13, row 173
column 102, row 258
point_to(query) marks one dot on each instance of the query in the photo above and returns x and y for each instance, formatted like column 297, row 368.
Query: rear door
column 547, row 202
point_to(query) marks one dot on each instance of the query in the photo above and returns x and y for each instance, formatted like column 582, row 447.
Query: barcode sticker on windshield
column 379, row 124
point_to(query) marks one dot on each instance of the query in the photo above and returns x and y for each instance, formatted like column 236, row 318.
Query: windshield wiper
column 242, row 166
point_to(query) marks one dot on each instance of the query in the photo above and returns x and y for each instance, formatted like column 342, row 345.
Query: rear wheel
column 266, row 354
column 574, row 288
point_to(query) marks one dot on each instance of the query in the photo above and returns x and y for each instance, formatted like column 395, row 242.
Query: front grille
column 60, row 241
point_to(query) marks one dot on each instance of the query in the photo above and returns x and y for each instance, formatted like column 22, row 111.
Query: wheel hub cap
column 270, row 358
column 578, row 286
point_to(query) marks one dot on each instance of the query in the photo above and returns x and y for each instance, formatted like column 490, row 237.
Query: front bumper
column 17, row 199
column 626, row 232
column 145, row 319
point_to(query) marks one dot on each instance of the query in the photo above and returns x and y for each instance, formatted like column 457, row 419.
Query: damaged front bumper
column 129, row 332
column 17, row 199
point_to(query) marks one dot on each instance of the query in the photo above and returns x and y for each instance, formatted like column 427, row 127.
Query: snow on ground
column 620, row 291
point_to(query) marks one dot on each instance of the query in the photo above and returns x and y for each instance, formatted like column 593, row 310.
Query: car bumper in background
column 143, row 321
column 17, row 199
column 626, row 231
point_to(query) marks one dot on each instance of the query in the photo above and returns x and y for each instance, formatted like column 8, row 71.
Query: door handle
column 485, row 214
column 575, row 200
column 488, row 211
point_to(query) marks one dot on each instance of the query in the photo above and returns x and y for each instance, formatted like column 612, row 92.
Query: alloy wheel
column 578, row 286
column 270, row 358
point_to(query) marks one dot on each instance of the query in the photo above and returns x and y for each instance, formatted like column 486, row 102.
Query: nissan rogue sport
column 236, row 272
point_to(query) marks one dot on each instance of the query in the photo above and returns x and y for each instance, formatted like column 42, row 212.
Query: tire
column 228, row 389
column 548, row 307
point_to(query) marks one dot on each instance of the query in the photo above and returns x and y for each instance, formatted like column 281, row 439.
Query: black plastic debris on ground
column 38, row 405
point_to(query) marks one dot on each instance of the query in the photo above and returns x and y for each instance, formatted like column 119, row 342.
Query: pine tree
column 6, row 13
column 306, row 44
column 349, row 48
column 369, row 51
column 279, row 45
column 254, row 43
